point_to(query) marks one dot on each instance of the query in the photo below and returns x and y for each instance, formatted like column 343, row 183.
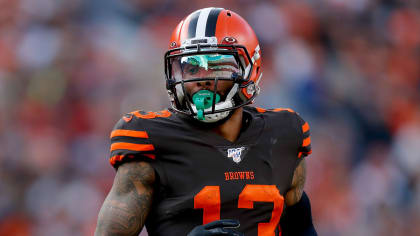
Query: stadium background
column 70, row 69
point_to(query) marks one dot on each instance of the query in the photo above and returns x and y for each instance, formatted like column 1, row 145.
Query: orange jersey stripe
column 306, row 142
column 149, row 115
column 260, row 110
column 116, row 158
column 306, row 153
column 284, row 109
column 305, row 127
column 132, row 147
column 129, row 133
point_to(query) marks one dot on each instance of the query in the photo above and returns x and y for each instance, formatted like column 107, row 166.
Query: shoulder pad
column 293, row 119
column 130, row 139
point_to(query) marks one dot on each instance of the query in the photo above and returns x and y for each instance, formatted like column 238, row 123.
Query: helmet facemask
column 210, row 65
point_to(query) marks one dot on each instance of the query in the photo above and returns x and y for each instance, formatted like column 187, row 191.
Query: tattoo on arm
column 125, row 208
column 295, row 192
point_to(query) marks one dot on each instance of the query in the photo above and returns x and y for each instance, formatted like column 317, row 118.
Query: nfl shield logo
column 235, row 154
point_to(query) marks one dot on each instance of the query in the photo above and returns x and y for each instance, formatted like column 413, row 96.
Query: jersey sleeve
column 299, row 128
column 305, row 148
column 130, row 141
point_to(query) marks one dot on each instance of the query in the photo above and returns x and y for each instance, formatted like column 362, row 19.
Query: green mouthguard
column 202, row 100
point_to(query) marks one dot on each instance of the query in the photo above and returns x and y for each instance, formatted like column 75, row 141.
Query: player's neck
column 231, row 128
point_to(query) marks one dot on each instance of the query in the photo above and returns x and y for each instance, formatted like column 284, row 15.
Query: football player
column 210, row 165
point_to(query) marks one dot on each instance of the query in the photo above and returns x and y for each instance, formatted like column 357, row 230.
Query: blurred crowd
column 70, row 69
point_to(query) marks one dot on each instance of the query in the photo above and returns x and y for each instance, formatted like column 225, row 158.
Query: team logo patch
column 236, row 154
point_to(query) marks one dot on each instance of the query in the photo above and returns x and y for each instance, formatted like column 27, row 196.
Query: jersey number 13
column 208, row 199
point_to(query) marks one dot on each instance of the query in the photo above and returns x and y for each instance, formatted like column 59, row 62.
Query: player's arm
column 297, row 217
column 294, row 194
column 125, row 209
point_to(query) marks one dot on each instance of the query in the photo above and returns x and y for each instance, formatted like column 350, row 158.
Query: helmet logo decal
column 173, row 44
column 229, row 40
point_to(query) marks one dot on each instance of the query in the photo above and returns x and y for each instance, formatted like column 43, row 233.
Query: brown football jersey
column 202, row 177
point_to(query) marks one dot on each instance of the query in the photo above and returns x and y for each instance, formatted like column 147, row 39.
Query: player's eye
column 193, row 70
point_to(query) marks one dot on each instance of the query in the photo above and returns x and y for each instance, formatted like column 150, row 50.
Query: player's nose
column 193, row 87
column 207, row 84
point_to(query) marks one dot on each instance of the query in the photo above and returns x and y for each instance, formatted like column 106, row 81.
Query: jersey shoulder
column 130, row 138
column 288, row 119
column 275, row 116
